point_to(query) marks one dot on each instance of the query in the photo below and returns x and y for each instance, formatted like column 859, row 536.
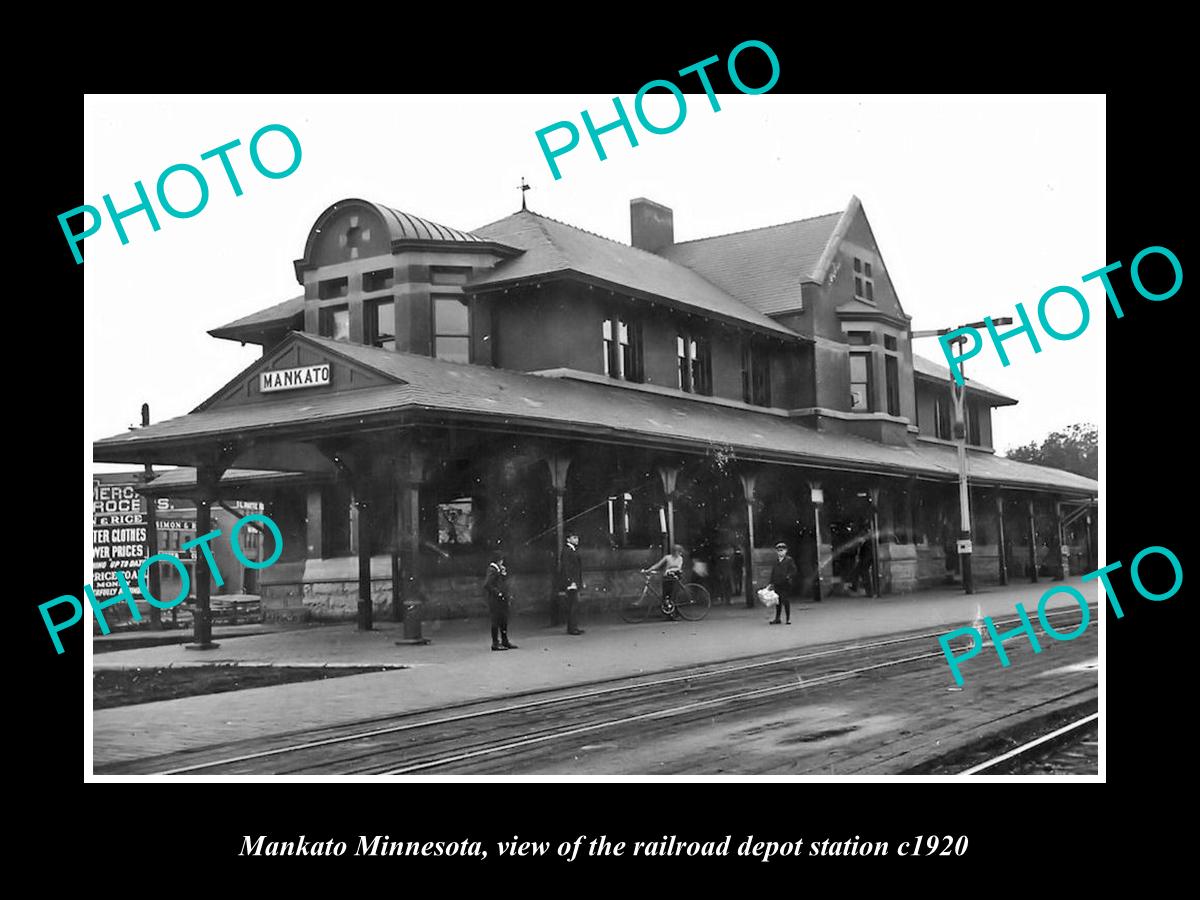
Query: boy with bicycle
column 672, row 574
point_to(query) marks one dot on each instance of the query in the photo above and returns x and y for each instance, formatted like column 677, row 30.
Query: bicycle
column 692, row 601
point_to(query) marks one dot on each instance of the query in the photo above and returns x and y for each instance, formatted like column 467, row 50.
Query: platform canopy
column 370, row 389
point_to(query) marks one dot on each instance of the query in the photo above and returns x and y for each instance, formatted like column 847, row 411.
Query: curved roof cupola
column 355, row 229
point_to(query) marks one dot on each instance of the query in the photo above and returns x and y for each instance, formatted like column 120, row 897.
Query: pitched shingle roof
column 599, row 411
column 763, row 267
column 553, row 248
column 927, row 368
column 277, row 316
column 185, row 476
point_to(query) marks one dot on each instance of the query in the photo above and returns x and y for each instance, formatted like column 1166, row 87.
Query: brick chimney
column 651, row 225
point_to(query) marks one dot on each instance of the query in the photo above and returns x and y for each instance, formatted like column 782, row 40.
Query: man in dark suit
column 783, row 578
column 495, row 589
column 570, row 580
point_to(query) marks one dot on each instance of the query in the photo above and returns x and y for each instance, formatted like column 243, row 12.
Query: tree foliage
column 1074, row 450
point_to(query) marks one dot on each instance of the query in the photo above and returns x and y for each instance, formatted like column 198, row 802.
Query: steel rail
column 570, row 698
column 1025, row 748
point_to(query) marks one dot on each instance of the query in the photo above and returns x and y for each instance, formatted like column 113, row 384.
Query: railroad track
column 1062, row 751
column 510, row 736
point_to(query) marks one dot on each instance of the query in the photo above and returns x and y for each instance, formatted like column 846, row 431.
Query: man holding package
column 783, row 579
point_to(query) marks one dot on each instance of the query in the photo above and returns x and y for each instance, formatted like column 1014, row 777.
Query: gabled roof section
column 347, row 371
column 554, row 249
column 765, row 267
column 428, row 389
column 931, row 371
column 281, row 315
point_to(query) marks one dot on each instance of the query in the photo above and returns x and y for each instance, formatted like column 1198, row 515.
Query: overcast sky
column 977, row 203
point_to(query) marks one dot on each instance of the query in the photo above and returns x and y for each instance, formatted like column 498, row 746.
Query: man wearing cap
column 570, row 580
column 495, row 589
column 783, row 577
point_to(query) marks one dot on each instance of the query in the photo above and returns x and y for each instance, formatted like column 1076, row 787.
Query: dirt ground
column 126, row 687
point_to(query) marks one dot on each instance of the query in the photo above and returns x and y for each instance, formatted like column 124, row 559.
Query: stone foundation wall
column 1019, row 568
column 328, row 589
column 1018, row 562
column 1079, row 563
column 985, row 563
column 931, row 567
column 898, row 568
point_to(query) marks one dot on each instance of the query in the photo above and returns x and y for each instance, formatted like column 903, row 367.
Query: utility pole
column 152, row 536
column 958, row 394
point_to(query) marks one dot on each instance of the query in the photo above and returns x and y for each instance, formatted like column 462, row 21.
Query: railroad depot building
column 436, row 393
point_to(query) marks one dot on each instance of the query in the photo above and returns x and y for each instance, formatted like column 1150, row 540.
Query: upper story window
column 451, row 329
column 379, row 280
column 335, row 323
column 623, row 348
column 971, row 411
column 756, row 374
column 864, row 285
column 333, row 287
column 941, row 418
column 891, row 371
column 694, row 364
column 860, row 382
column 380, row 322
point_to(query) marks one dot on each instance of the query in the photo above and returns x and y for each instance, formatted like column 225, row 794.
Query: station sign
column 291, row 379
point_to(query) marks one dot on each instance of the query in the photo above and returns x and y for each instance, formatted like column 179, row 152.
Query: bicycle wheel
column 635, row 611
column 692, row 601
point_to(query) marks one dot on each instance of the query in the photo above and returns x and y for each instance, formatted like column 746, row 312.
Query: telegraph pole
column 958, row 393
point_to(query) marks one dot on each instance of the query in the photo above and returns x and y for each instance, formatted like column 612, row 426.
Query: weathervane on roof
column 524, row 188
